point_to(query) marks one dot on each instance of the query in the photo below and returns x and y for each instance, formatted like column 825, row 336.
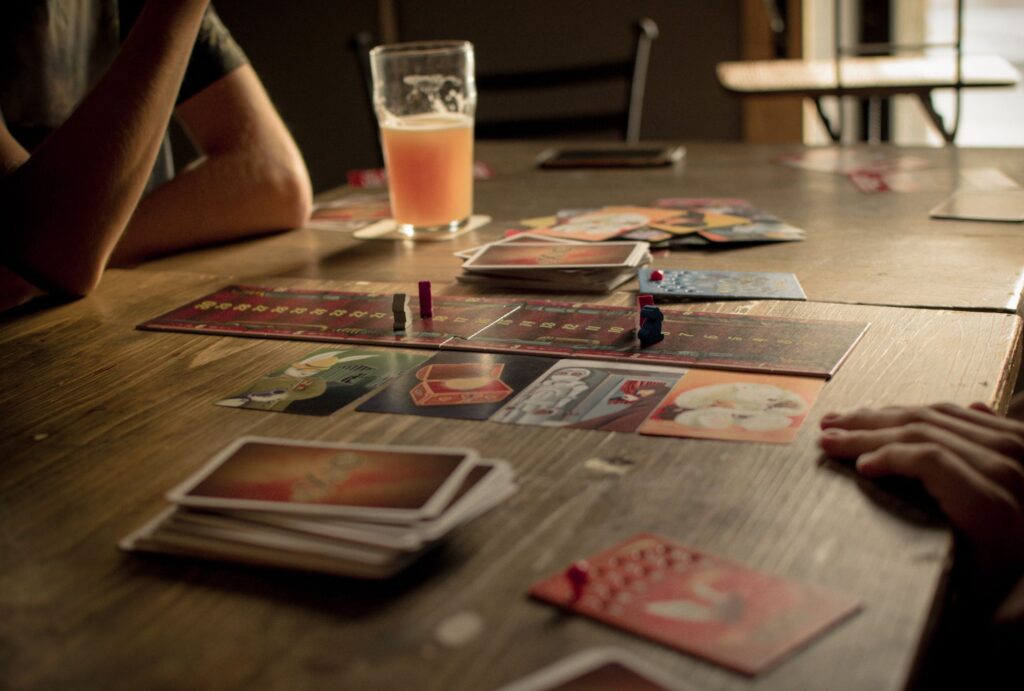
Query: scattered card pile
column 365, row 511
column 698, row 603
column 721, row 222
column 672, row 224
column 540, row 263
column 609, row 396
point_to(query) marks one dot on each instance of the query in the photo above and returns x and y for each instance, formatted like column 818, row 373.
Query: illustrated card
column 349, row 213
column 936, row 180
column 598, row 669
column 721, row 285
column 720, row 220
column 462, row 385
column 561, row 216
column 589, row 394
column 731, row 406
column 767, row 231
column 556, row 256
column 324, row 380
column 648, row 235
column 698, row 603
column 693, row 220
column 374, row 482
column 605, row 223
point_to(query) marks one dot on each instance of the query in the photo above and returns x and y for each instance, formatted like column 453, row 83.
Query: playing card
column 384, row 483
column 557, row 256
column 701, row 604
column 588, row 394
column 323, row 381
column 516, row 239
column 162, row 535
column 605, row 223
column 598, row 669
column 721, row 285
column 693, row 220
column 727, row 221
column 997, row 205
column 755, row 232
column 463, row 385
column 712, row 404
column 488, row 484
column 349, row 213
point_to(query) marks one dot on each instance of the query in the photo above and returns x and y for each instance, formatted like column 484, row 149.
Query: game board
column 537, row 327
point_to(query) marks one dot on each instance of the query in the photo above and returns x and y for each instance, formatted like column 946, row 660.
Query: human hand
column 969, row 459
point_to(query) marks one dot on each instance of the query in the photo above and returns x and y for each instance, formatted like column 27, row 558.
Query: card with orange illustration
column 734, row 406
column 605, row 223
column 461, row 385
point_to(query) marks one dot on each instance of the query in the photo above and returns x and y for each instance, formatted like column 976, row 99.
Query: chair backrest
column 624, row 117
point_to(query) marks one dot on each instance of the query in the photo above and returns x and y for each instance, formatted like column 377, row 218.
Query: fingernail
column 833, row 433
column 830, row 416
column 864, row 463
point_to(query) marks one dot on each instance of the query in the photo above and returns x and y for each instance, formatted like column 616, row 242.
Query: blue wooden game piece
column 650, row 326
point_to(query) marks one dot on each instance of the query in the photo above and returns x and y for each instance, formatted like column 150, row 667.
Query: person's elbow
column 291, row 195
column 57, row 277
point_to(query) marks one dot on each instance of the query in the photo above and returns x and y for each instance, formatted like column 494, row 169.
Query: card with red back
column 731, row 615
column 599, row 669
column 557, row 256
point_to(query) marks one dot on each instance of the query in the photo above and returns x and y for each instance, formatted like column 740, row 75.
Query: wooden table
column 861, row 248
column 100, row 420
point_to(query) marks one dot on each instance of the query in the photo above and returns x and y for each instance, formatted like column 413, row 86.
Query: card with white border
column 390, row 484
column 599, row 668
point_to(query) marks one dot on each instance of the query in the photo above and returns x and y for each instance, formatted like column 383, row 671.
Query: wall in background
column 301, row 52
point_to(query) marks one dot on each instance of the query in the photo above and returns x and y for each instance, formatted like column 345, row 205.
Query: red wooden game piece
column 657, row 275
column 426, row 301
column 641, row 302
column 578, row 575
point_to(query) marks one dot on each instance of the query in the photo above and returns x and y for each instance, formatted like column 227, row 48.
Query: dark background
column 301, row 51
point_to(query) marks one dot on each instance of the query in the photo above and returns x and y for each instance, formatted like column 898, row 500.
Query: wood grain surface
column 879, row 249
column 99, row 420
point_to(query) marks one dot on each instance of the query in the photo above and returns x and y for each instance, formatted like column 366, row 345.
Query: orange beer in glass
column 425, row 98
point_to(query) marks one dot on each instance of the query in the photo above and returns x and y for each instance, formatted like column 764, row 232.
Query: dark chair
column 623, row 118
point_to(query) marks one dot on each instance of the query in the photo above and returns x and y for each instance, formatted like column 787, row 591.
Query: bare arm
column 66, row 204
column 251, row 178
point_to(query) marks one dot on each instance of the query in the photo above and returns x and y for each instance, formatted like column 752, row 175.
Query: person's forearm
column 217, row 199
column 71, row 200
column 251, row 178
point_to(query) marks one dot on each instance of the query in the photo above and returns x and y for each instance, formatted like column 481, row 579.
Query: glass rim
column 420, row 48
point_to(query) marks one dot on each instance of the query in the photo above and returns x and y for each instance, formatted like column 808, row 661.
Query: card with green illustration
column 324, row 381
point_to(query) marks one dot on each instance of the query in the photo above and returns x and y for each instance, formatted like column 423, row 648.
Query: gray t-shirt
column 52, row 52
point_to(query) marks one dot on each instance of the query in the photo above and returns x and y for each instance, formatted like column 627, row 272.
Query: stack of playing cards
column 353, row 510
column 537, row 263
